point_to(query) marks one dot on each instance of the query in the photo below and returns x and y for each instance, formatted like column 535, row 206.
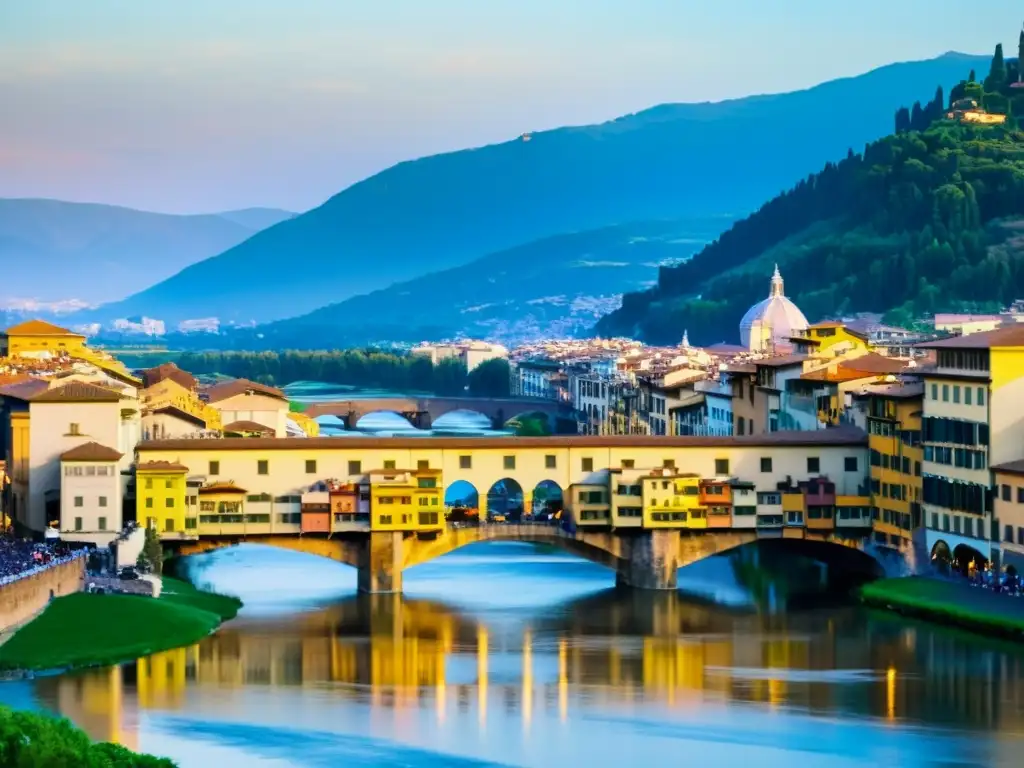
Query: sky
column 192, row 106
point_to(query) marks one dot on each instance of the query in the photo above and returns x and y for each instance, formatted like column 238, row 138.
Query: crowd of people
column 17, row 556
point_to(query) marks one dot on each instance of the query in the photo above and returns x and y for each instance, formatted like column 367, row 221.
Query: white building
column 40, row 423
column 90, row 494
column 241, row 400
column 771, row 321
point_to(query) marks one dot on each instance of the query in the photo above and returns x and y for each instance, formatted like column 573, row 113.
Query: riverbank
column 86, row 630
column 949, row 603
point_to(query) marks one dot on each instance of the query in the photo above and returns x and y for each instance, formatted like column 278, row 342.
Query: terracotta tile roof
column 781, row 361
column 39, row 328
column 908, row 389
column 227, row 389
column 76, row 392
column 24, row 390
column 247, row 426
column 1010, row 467
column 225, row 486
column 1007, row 336
column 170, row 410
column 816, row 437
column 6, row 379
column 91, row 452
column 862, row 367
column 160, row 466
column 151, row 376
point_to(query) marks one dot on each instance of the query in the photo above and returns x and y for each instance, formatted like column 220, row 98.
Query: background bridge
column 422, row 412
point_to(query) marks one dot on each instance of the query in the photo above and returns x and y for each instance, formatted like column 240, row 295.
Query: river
column 505, row 654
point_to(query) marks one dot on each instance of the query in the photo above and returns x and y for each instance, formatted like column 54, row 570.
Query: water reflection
column 611, row 652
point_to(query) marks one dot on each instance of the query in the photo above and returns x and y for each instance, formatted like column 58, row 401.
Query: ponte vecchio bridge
column 422, row 412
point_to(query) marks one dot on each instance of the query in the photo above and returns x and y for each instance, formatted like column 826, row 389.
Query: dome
column 776, row 318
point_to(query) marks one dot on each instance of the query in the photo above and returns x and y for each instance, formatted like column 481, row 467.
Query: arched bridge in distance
column 644, row 559
column 422, row 412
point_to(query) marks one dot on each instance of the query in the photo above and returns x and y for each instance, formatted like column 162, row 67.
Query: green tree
column 997, row 73
column 490, row 379
column 152, row 555
column 1020, row 57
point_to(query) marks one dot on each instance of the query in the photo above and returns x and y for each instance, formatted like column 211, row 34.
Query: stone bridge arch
column 421, row 411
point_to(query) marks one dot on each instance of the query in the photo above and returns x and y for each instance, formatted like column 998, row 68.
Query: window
column 423, row 464
column 967, row 395
column 214, row 468
column 945, row 393
column 627, row 464
column 103, row 501
column 149, row 483
column 102, row 523
column 385, row 519
column 79, row 501
column 262, row 467
column 981, row 395
column 355, row 468
column 813, row 465
column 74, row 429
column 766, row 463
column 1005, row 492
column 850, row 464
column 587, row 465
column 509, row 462
column 550, row 462
column 168, row 483
column 169, row 502
column 956, row 393
column 1020, row 495
column 310, row 466
column 78, row 523
column 169, row 525
column 721, row 466
column 390, row 464
column 465, row 462
column 149, row 502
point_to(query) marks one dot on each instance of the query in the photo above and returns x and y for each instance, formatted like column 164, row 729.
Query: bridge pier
column 651, row 561
column 381, row 563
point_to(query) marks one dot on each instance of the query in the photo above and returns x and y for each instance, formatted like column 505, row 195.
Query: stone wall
column 22, row 600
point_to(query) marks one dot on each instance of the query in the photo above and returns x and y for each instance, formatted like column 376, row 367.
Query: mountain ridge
column 443, row 211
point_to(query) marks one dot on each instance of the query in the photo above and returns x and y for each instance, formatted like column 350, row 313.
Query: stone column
column 651, row 561
column 380, row 566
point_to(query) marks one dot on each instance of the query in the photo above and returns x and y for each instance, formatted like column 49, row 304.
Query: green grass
column 946, row 603
column 84, row 630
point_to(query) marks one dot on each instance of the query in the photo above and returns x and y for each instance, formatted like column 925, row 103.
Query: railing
column 40, row 568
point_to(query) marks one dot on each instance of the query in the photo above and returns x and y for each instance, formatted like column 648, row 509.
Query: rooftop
column 821, row 437
column 160, row 466
column 170, row 410
column 1010, row 467
column 39, row 328
column 39, row 391
column 91, row 452
column 1006, row 336
column 228, row 389
column 244, row 425
column 151, row 376
column 225, row 486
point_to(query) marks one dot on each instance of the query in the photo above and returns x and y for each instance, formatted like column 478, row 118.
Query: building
column 772, row 321
column 40, row 423
column 38, row 338
column 170, row 422
column 171, row 404
column 90, row 494
column 162, row 498
column 894, row 413
column 241, row 400
column 255, row 485
column 962, row 325
column 540, row 378
column 470, row 353
column 830, row 339
column 972, row 416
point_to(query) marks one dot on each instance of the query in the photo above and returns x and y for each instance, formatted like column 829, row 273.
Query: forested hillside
column 922, row 220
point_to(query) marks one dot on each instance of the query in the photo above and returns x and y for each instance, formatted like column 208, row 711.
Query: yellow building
column 894, row 440
column 38, row 338
column 973, row 409
column 1009, row 511
column 160, row 498
column 829, row 339
column 406, row 499
column 672, row 500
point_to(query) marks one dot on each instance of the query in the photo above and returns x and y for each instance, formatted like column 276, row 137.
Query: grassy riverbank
column 948, row 603
column 84, row 630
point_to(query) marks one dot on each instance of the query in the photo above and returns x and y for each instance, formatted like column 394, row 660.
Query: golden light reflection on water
column 398, row 655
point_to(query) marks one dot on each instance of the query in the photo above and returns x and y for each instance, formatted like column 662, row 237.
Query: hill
column 257, row 218
column 56, row 251
column 551, row 287
column 440, row 212
column 924, row 220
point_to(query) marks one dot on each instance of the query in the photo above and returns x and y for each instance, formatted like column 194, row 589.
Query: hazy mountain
column 57, row 251
column 551, row 287
column 442, row 211
column 257, row 218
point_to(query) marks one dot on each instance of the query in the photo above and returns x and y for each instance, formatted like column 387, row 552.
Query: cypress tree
column 1020, row 57
column 902, row 120
column 997, row 74
column 917, row 117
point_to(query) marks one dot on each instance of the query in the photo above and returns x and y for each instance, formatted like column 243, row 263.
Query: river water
column 505, row 654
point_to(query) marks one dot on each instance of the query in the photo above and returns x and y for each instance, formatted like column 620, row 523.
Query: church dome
column 774, row 319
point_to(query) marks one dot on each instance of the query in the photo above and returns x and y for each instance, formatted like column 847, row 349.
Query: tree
column 902, row 120
column 1020, row 57
column 971, row 77
column 490, row 379
column 917, row 121
column 152, row 555
column 997, row 73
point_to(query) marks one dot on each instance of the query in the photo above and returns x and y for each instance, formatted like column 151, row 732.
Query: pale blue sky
column 200, row 105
